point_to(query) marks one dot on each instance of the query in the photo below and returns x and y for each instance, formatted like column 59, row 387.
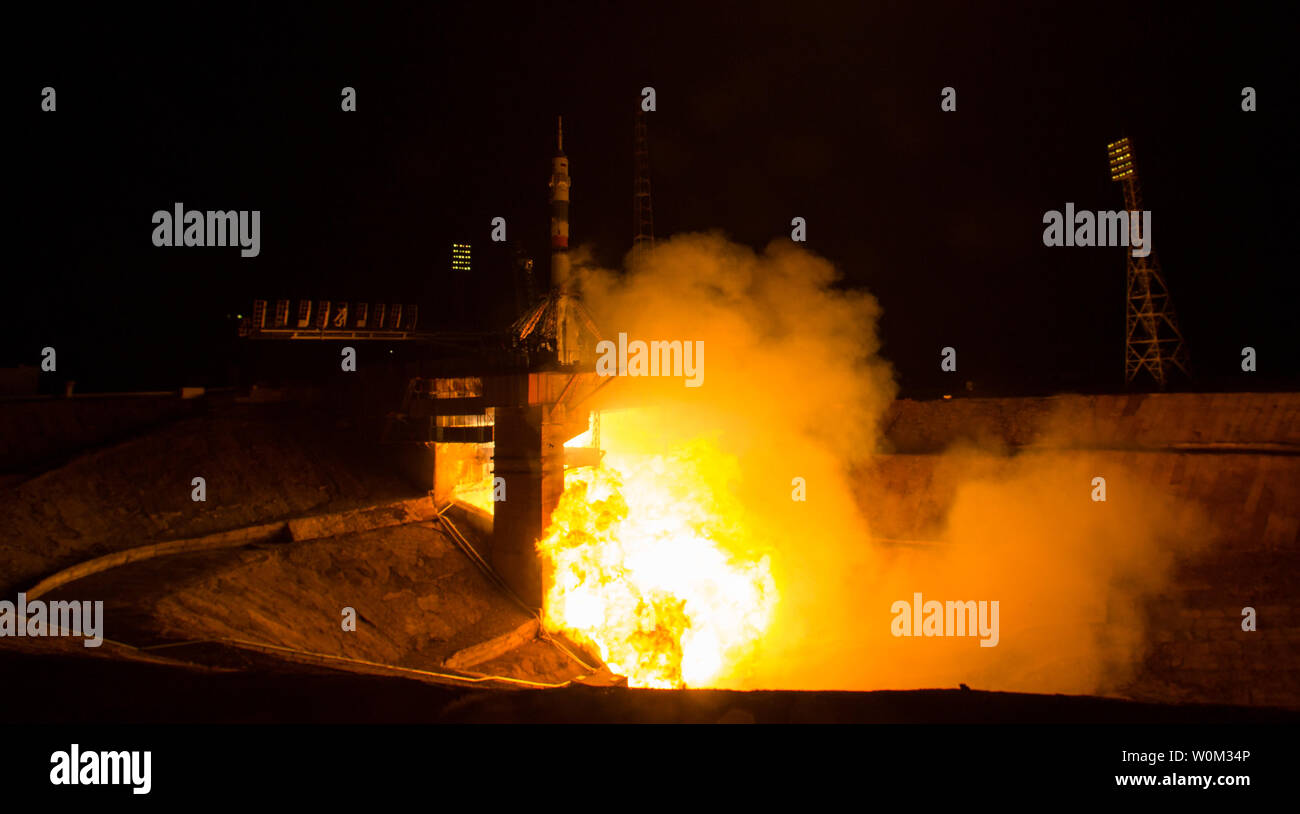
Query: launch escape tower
column 643, row 226
column 1152, row 340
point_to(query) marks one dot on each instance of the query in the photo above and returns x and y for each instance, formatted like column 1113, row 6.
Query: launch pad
column 525, row 419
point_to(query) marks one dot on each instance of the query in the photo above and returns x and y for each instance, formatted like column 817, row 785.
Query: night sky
column 765, row 111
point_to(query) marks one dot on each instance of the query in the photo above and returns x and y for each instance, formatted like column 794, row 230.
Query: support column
column 530, row 457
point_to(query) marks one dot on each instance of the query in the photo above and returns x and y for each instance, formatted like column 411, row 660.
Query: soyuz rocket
column 560, row 212
column 566, row 329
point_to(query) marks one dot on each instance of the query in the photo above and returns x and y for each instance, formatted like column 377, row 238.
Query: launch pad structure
column 525, row 416
column 518, row 416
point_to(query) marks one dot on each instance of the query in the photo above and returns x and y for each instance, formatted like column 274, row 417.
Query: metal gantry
column 1152, row 341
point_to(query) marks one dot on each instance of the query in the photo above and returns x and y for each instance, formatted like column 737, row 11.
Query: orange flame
column 649, row 563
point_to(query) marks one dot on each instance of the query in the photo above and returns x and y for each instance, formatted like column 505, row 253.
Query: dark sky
column 766, row 111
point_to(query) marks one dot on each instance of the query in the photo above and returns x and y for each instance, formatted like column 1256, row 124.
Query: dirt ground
column 418, row 599
column 259, row 462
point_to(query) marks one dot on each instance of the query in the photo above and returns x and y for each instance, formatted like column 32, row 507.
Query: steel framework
column 1152, row 339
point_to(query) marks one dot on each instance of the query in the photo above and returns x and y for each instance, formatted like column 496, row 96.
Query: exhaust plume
column 785, row 423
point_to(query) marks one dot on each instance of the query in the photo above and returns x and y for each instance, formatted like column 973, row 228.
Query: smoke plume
column 792, row 398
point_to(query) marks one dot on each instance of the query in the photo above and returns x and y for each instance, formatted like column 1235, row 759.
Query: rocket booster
column 560, row 212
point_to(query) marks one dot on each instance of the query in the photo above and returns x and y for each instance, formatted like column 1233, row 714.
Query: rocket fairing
column 560, row 212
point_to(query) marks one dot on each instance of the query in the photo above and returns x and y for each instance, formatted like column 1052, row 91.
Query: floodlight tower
column 1152, row 340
